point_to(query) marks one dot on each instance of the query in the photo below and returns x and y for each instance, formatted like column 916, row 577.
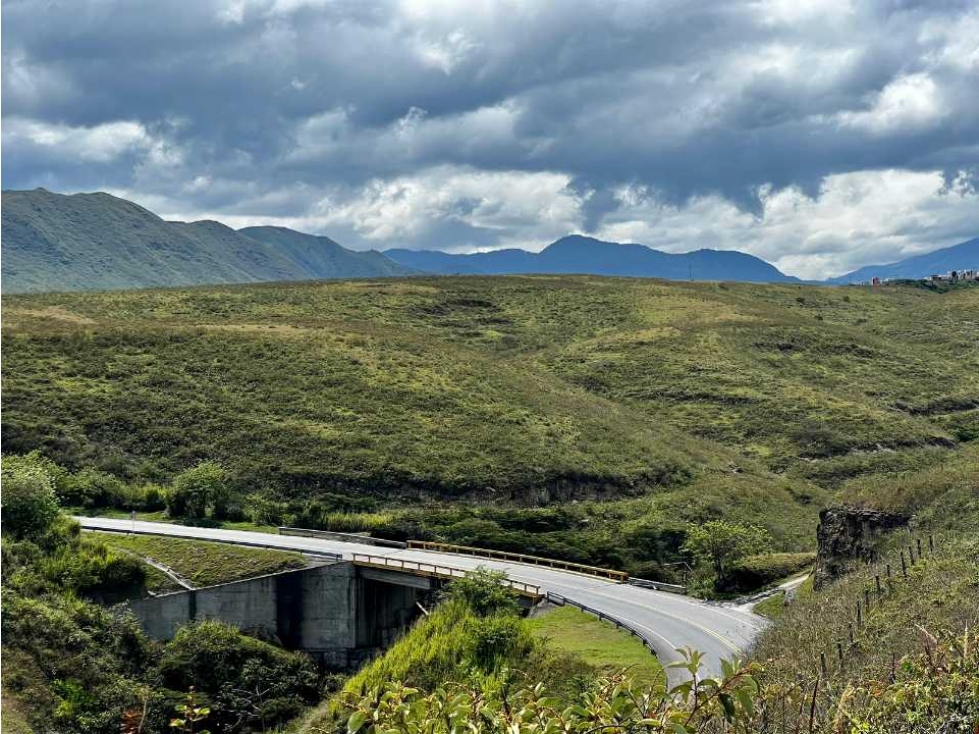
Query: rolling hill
column 97, row 241
column 101, row 242
column 964, row 256
column 681, row 400
column 576, row 254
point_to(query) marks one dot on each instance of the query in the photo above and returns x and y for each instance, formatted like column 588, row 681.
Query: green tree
column 30, row 507
column 199, row 489
column 485, row 592
column 718, row 543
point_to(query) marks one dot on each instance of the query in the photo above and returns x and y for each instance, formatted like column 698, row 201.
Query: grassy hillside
column 598, row 643
column 204, row 564
column 938, row 598
column 680, row 401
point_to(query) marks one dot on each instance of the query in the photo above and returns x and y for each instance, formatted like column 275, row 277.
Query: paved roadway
column 667, row 621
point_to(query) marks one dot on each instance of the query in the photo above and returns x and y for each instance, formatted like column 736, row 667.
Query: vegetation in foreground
column 431, row 682
column 937, row 687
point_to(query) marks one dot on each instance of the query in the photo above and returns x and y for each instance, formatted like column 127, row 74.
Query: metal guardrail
column 620, row 576
column 434, row 570
column 561, row 600
column 657, row 585
column 343, row 537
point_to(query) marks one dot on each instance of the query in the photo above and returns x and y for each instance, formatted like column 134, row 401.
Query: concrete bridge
column 665, row 621
column 338, row 612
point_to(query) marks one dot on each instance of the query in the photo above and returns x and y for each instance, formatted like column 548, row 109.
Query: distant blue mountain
column 585, row 255
column 964, row 256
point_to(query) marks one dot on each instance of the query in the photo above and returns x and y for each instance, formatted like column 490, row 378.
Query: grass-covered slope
column 493, row 385
column 98, row 241
column 938, row 596
column 321, row 257
column 598, row 643
column 204, row 564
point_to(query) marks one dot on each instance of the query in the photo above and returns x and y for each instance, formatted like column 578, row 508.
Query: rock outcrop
column 848, row 535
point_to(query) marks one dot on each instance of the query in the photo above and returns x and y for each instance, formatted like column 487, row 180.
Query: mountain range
column 587, row 255
column 98, row 242
column 964, row 256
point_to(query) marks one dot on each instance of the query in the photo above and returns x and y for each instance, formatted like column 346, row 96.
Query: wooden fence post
column 839, row 652
column 880, row 591
column 859, row 615
column 919, row 547
column 904, row 568
column 822, row 663
column 866, row 599
column 931, row 543
column 851, row 634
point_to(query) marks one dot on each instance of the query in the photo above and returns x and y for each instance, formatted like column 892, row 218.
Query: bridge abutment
column 338, row 613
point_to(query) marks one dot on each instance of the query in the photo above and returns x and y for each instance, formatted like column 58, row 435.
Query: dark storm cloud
column 341, row 115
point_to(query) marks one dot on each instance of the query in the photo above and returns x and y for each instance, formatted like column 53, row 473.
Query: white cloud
column 908, row 103
column 99, row 143
column 859, row 218
column 537, row 205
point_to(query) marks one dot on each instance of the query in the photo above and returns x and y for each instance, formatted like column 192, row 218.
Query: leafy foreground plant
column 934, row 691
column 613, row 704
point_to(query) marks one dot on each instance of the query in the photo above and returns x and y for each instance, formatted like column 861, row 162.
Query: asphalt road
column 667, row 621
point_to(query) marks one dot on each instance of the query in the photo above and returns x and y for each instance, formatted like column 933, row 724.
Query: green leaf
column 356, row 721
column 730, row 712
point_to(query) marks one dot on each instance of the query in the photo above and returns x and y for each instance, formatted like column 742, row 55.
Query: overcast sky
column 820, row 135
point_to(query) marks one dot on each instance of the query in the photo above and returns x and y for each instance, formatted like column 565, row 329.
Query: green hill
column 321, row 257
column 97, row 241
column 679, row 401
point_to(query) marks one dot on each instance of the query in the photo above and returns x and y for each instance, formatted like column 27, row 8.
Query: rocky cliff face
column 848, row 535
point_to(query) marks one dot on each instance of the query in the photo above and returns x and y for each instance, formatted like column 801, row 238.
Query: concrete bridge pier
column 339, row 613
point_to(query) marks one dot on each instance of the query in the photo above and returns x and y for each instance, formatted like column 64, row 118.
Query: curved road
column 667, row 621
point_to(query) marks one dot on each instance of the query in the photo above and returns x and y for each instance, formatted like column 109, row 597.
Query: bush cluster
column 86, row 669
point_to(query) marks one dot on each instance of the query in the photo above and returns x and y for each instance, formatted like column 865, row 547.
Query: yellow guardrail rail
column 469, row 550
column 434, row 570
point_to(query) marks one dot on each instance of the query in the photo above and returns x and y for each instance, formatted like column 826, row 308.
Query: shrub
column 753, row 572
column 93, row 488
column 199, row 489
column 154, row 498
column 60, row 476
column 92, row 568
column 497, row 640
column 78, row 665
column 250, row 682
column 485, row 592
column 29, row 504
